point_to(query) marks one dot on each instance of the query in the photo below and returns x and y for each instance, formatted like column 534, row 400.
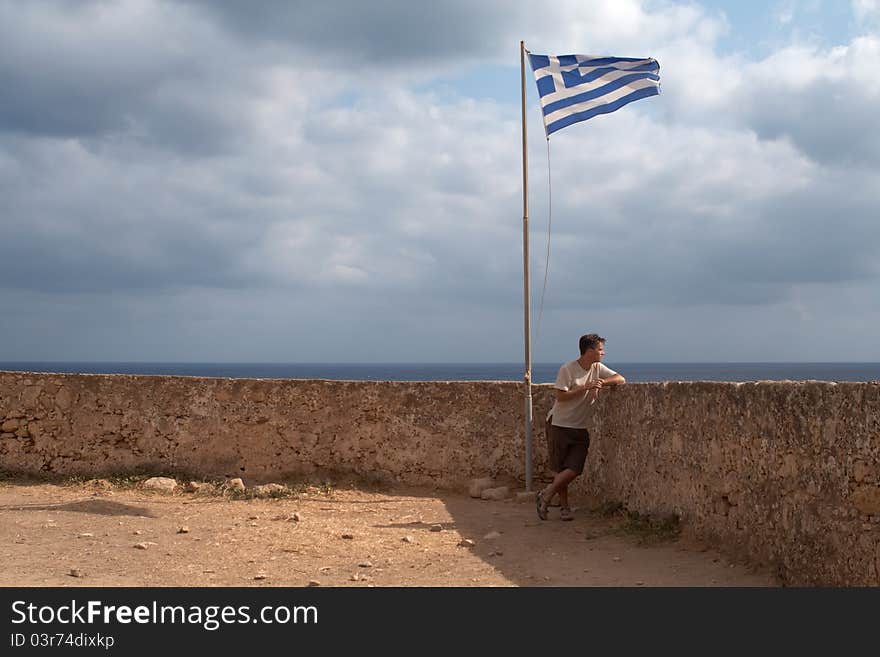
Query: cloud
column 214, row 182
column 340, row 34
column 136, row 71
column 824, row 101
column 704, row 217
column 80, row 221
column 432, row 39
column 866, row 10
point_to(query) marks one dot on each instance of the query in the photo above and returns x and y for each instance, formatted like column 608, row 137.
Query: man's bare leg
column 563, row 497
column 560, row 485
column 554, row 501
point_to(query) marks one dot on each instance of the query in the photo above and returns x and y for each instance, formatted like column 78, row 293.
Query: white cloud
column 866, row 10
column 824, row 101
column 785, row 11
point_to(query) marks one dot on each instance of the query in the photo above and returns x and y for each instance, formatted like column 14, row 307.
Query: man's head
column 592, row 345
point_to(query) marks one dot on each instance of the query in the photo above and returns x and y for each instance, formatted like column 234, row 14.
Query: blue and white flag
column 578, row 87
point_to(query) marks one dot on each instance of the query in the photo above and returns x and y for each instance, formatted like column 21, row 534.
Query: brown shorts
column 567, row 447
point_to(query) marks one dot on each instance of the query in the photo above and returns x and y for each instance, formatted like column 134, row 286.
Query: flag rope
column 547, row 258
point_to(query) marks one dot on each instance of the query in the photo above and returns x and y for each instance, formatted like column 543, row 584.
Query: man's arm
column 574, row 393
column 609, row 377
column 577, row 391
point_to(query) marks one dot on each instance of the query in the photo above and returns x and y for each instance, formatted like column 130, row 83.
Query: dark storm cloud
column 77, row 220
column 106, row 252
column 674, row 240
column 341, row 33
column 93, row 70
column 64, row 106
column 829, row 120
column 817, row 238
column 58, row 265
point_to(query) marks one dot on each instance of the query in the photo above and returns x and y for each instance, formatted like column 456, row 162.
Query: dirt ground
column 98, row 533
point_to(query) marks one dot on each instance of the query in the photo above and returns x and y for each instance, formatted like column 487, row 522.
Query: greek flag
column 578, row 87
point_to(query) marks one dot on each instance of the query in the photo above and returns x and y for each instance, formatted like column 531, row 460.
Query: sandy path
column 49, row 531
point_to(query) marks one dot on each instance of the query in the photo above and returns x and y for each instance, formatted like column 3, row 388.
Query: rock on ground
column 163, row 484
column 268, row 490
column 500, row 493
column 477, row 486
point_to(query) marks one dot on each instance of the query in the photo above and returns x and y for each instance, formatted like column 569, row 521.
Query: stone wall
column 782, row 473
column 415, row 433
column 786, row 474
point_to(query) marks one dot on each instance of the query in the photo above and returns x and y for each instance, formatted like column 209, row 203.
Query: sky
column 341, row 181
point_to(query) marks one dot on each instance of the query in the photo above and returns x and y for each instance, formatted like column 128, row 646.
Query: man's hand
column 596, row 384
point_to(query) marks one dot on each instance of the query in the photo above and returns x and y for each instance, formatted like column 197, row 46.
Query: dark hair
column 590, row 341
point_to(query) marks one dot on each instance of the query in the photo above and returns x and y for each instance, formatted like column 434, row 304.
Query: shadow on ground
column 322, row 535
column 593, row 549
column 100, row 507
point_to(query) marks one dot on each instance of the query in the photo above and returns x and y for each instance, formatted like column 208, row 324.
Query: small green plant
column 650, row 529
column 27, row 478
column 127, row 480
column 119, row 480
column 647, row 529
column 611, row 509
column 256, row 492
column 374, row 482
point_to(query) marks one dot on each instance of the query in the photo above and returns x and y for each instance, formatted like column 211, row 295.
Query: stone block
column 863, row 472
column 867, row 500
column 268, row 490
column 199, row 487
column 163, row 484
column 497, row 494
column 63, row 399
column 477, row 486
column 30, row 395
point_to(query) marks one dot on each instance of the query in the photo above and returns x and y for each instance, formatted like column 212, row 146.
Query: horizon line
column 465, row 362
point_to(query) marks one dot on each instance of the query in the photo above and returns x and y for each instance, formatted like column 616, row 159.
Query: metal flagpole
column 527, row 327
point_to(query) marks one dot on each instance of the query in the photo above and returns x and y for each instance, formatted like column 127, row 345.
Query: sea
column 541, row 372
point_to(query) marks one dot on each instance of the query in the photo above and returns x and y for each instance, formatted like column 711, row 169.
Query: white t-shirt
column 576, row 412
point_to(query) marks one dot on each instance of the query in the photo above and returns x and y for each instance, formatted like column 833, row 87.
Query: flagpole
column 527, row 328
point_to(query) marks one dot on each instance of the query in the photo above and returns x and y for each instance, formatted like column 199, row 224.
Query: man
column 577, row 389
